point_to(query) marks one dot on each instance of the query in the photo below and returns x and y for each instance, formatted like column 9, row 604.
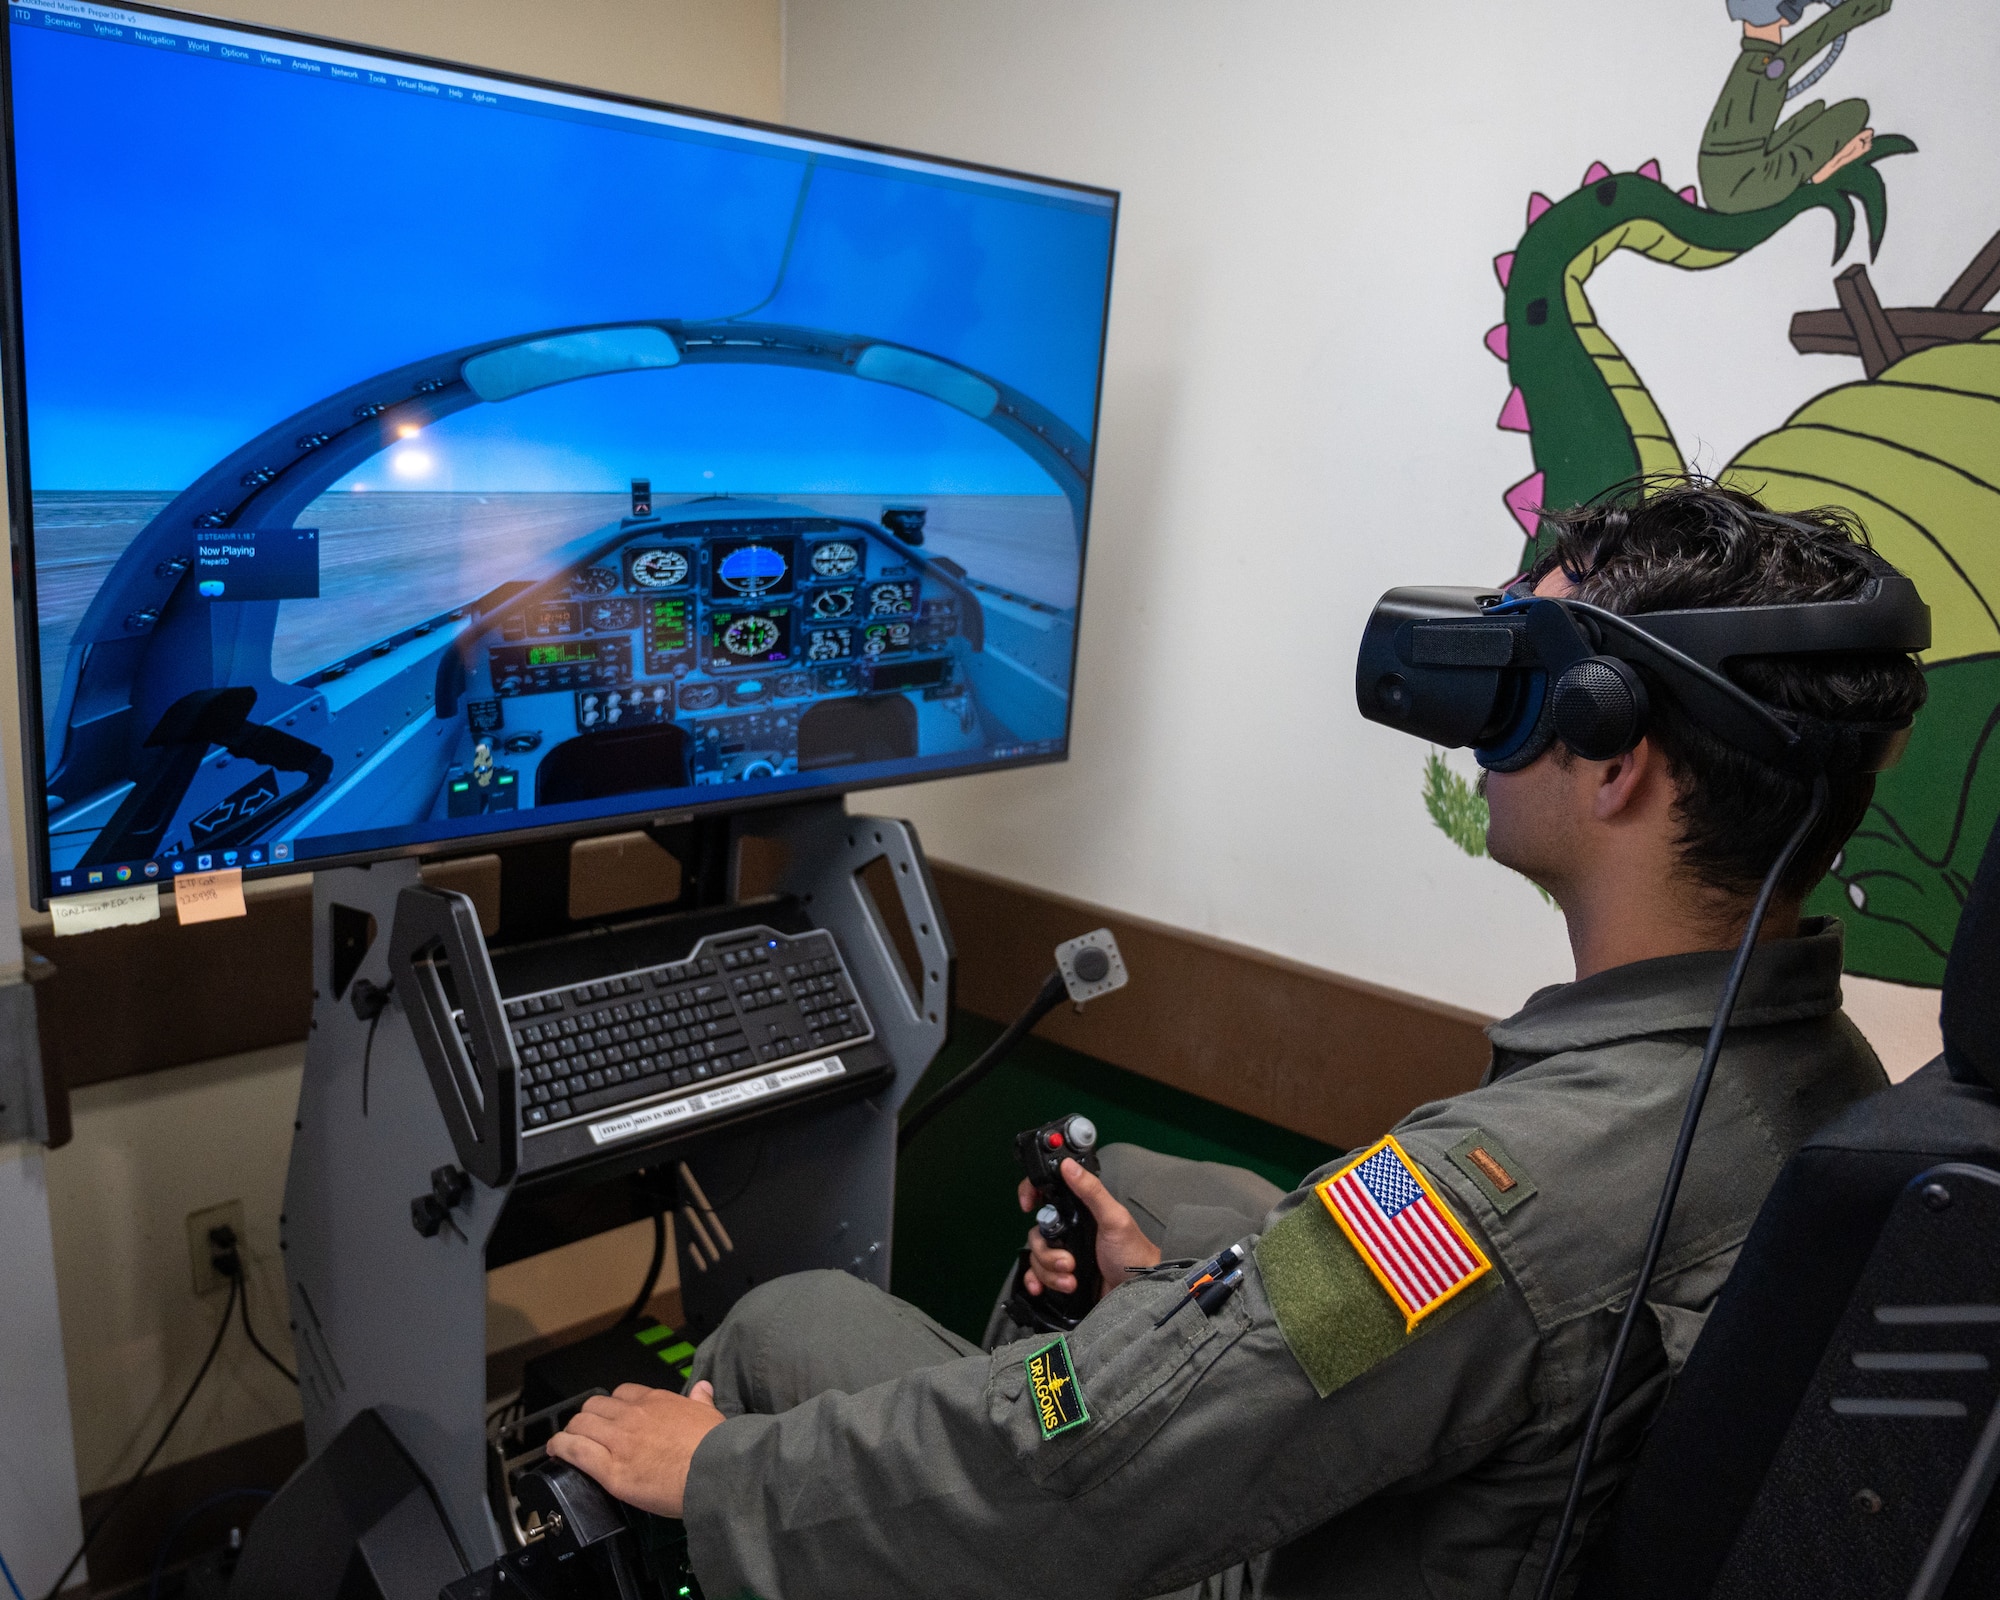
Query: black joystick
column 1063, row 1220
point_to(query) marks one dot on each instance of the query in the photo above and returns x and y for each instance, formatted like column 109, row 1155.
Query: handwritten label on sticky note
column 105, row 908
column 209, row 896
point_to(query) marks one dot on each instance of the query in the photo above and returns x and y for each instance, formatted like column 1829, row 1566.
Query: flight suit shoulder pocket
column 1073, row 1409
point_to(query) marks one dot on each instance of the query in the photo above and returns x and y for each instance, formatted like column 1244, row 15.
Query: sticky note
column 105, row 908
column 209, row 896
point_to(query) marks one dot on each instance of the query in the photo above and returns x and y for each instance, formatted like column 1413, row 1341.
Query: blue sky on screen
column 207, row 247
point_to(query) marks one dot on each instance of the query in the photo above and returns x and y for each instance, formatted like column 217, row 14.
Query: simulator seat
column 623, row 761
column 1836, row 1430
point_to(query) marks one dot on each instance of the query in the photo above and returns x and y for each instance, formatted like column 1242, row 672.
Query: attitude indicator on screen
column 752, row 569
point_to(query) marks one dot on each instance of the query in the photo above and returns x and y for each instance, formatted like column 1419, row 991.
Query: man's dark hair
column 1674, row 544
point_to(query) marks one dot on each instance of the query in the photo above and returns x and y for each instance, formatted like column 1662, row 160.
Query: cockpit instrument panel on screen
column 761, row 491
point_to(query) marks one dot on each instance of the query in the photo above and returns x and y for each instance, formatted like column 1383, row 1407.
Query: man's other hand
column 1121, row 1248
column 637, row 1442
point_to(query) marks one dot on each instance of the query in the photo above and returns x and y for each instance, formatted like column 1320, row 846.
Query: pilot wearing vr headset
column 1385, row 1388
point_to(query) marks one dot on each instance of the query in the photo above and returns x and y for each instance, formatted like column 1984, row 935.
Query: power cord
column 659, row 1261
column 229, row 1262
column 1052, row 992
column 369, row 1000
column 118, row 1502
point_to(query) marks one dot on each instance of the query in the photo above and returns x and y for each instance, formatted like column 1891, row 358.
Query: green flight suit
column 1750, row 160
column 1299, row 1442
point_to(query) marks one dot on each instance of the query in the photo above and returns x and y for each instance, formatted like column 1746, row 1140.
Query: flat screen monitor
column 404, row 456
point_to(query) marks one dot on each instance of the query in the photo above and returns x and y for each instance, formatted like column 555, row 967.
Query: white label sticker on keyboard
column 668, row 1112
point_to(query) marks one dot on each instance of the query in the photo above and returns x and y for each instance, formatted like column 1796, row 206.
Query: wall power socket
column 206, row 1279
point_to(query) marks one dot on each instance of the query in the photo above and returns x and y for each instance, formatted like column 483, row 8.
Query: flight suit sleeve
column 1802, row 46
column 1123, row 1460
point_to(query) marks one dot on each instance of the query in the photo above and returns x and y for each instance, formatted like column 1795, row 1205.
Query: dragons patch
column 1052, row 1381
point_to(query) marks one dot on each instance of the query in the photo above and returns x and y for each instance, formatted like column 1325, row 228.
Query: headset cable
column 1670, row 1192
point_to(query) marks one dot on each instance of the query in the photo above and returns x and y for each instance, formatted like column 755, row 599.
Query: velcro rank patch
column 1052, row 1381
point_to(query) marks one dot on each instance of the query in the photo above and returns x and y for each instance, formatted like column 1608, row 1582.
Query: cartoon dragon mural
column 1913, row 449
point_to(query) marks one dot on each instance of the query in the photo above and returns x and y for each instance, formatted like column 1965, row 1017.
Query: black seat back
column 1760, row 1476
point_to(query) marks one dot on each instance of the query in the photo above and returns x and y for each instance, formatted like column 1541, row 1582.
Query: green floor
column 957, row 1221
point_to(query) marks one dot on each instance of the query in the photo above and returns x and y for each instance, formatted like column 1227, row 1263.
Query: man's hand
column 1121, row 1248
column 637, row 1442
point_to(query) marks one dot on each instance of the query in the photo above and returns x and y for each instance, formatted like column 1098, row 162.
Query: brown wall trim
column 1332, row 1057
column 1327, row 1056
column 128, row 1001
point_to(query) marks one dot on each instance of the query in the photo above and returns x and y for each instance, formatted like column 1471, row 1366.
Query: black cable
column 1663, row 1215
column 1052, row 994
column 652, row 1272
column 112, row 1510
column 226, row 1256
column 367, row 1057
column 369, row 1001
column 257, row 1344
column 180, row 1527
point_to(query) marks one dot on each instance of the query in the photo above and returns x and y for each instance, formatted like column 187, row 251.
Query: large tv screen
column 402, row 454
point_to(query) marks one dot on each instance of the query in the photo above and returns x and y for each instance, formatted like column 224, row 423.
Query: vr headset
column 1508, row 672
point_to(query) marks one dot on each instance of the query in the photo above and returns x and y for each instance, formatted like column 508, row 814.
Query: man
column 1749, row 159
column 1330, row 1429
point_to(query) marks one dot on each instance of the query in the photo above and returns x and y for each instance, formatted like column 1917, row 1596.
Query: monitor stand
column 412, row 1171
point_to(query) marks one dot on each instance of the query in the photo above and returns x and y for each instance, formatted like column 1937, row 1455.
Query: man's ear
column 1626, row 782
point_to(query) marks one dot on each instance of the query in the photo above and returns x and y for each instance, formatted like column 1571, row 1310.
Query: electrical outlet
column 206, row 1279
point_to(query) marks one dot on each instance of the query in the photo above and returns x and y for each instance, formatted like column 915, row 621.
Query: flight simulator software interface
column 415, row 454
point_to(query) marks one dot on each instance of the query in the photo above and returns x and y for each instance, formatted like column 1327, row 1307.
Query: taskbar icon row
column 83, row 880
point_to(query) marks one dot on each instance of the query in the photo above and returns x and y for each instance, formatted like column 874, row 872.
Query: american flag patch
column 1405, row 1233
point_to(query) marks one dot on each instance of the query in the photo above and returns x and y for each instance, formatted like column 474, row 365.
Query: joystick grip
column 1063, row 1220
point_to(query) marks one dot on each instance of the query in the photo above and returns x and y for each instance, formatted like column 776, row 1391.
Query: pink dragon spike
column 1691, row 195
column 1503, row 266
column 1537, row 204
column 1523, row 498
column 1496, row 340
column 1598, row 171
column 1650, row 170
column 1514, row 414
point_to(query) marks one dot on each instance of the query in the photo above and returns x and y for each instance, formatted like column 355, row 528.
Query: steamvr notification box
column 257, row 564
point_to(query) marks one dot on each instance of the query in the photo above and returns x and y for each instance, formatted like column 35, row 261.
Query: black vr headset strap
column 1785, row 739
column 1731, row 712
column 1886, row 614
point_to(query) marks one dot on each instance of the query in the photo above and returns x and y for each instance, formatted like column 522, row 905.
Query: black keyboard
column 749, row 1001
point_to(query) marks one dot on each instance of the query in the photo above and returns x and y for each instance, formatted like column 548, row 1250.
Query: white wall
column 1298, row 411
column 39, row 1524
